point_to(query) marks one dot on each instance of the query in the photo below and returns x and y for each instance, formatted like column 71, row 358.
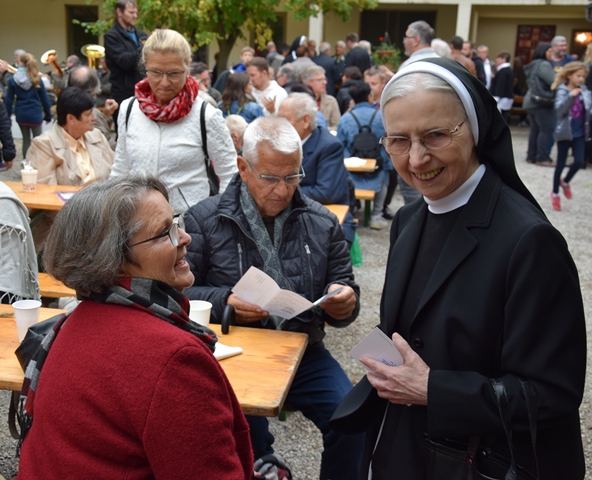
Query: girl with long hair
column 237, row 99
column 573, row 102
column 31, row 103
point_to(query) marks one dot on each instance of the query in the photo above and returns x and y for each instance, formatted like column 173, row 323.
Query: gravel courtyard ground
column 297, row 439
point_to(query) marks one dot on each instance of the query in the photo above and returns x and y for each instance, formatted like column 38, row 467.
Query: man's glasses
column 432, row 140
column 272, row 180
column 172, row 232
column 173, row 75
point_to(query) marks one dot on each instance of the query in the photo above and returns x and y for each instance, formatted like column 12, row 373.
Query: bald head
column 85, row 78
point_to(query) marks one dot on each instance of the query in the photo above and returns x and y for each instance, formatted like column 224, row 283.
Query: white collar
column 459, row 197
column 503, row 65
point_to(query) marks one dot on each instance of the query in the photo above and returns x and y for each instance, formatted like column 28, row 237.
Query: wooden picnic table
column 260, row 376
column 369, row 166
column 44, row 198
column 340, row 211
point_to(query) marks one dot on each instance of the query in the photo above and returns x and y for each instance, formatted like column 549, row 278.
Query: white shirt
column 273, row 90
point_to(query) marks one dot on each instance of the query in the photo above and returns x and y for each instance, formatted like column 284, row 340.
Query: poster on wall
column 528, row 37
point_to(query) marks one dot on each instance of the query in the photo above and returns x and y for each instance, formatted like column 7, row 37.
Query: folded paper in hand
column 378, row 346
column 260, row 289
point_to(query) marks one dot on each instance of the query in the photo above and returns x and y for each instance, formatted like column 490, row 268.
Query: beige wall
column 497, row 26
column 35, row 26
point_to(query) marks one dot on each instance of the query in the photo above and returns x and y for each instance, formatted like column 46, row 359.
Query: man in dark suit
column 357, row 55
column 328, row 63
column 326, row 179
column 123, row 45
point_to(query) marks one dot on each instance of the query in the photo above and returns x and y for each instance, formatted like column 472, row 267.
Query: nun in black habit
column 300, row 42
column 479, row 286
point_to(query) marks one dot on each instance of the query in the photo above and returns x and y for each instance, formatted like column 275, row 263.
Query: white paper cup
column 199, row 311
column 29, row 180
column 26, row 313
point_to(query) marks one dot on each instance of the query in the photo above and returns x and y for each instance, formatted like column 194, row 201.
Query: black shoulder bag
column 451, row 460
column 213, row 179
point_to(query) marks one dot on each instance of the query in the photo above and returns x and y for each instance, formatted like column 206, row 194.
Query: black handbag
column 540, row 92
column 213, row 179
column 451, row 460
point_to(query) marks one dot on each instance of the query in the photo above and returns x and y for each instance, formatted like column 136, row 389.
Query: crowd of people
column 192, row 178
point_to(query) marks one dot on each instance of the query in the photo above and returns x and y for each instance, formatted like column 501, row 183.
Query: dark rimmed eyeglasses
column 432, row 140
column 273, row 180
column 172, row 232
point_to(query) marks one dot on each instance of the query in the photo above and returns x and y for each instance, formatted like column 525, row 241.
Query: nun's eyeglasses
column 432, row 140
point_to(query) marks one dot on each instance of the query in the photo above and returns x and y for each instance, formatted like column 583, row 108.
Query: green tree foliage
column 203, row 21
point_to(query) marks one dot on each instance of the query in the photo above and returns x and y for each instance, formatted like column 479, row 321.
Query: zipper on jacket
column 308, row 257
column 240, row 258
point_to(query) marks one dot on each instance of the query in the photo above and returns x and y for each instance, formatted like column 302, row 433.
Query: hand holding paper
column 394, row 369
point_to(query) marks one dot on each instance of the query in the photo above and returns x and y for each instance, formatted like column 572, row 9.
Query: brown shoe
column 546, row 163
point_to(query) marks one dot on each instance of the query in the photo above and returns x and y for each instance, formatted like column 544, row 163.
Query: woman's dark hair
column 301, row 88
column 73, row 101
column 359, row 92
column 541, row 50
column 235, row 90
column 88, row 241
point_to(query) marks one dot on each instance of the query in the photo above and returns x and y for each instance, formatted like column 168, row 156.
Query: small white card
column 380, row 347
column 224, row 351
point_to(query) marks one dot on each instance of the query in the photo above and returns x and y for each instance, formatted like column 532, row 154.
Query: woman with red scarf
column 159, row 128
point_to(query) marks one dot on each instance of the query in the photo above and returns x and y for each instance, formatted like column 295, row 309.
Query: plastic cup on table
column 29, row 180
column 199, row 311
column 26, row 313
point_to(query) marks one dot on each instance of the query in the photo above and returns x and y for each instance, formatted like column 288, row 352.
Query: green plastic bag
column 355, row 252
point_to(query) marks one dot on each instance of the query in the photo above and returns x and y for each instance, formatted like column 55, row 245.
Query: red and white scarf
column 176, row 109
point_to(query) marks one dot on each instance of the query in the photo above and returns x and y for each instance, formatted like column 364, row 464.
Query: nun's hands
column 406, row 384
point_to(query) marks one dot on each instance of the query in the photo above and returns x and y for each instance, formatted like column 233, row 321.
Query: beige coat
column 51, row 156
column 330, row 109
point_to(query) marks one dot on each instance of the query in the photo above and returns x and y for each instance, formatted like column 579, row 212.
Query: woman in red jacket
column 129, row 387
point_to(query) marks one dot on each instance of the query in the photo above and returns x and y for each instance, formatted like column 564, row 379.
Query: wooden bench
column 517, row 108
column 52, row 288
column 367, row 196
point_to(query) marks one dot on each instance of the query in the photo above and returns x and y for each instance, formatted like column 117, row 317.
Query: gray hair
column 366, row 45
column 420, row 81
column 423, row 30
column 303, row 103
column 19, row 52
column 441, row 47
column 289, row 71
column 557, row 39
column 88, row 241
column 236, row 124
column 324, row 47
column 311, row 72
column 276, row 132
column 341, row 43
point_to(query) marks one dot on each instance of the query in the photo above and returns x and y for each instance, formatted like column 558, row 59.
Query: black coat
column 343, row 96
column 331, row 71
column 358, row 57
column 8, row 149
column 502, row 85
column 503, row 300
column 313, row 254
column 122, row 56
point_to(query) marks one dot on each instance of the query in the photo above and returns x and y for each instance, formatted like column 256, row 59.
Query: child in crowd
column 573, row 102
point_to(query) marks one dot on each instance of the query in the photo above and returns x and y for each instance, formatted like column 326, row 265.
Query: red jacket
column 126, row 395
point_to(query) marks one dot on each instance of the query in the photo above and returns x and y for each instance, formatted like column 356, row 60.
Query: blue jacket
column 249, row 111
column 563, row 103
column 312, row 252
column 32, row 104
column 348, row 128
column 326, row 176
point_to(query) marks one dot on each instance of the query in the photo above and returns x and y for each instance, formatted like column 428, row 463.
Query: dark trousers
column 578, row 146
column 319, row 386
column 542, row 124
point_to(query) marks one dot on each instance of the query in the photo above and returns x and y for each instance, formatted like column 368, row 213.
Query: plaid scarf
column 178, row 108
column 144, row 294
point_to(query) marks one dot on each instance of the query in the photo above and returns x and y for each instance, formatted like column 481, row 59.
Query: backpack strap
column 129, row 111
column 369, row 126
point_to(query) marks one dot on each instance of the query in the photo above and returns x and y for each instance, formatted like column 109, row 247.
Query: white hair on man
column 441, row 47
column 276, row 132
